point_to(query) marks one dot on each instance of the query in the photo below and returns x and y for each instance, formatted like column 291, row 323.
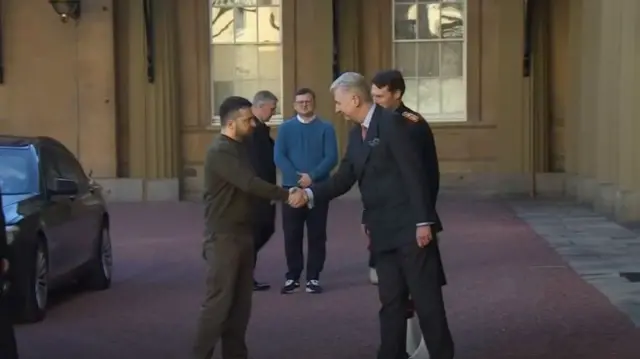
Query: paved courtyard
column 515, row 291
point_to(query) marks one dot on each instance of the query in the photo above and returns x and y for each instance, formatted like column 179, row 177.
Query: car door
column 86, row 208
column 57, row 217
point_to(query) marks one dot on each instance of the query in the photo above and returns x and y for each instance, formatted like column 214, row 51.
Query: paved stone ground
column 602, row 252
column 510, row 295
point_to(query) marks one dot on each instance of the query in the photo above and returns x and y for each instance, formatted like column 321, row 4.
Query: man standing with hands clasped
column 398, row 213
column 231, row 186
column 306, row 151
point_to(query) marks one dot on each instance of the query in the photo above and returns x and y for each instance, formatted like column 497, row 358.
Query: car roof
column 22, row 141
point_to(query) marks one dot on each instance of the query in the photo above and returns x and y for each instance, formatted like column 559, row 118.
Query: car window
column 18, row 170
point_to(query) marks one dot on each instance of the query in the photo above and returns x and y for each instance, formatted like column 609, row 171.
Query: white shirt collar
column 305, row 121
column 367, row 120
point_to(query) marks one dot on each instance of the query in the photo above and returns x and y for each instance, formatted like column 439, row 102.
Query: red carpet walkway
column 510, row 295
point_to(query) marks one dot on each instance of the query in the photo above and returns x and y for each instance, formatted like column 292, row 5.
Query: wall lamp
column 67, row 9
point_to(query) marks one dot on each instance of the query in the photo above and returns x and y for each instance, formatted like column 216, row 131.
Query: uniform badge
column 411, row 116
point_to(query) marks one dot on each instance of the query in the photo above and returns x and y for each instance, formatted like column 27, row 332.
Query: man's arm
column 330, row 155
column 339, row 184
column 280, row 153
column 412, row 170
column 228, row 166
column 255, row 146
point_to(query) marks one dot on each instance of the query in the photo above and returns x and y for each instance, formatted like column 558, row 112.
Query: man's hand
column 4, row 266
column 297, row 197
column 423, row 236
column 305, row 180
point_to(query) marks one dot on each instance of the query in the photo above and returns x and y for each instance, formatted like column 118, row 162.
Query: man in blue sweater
column 306, row 151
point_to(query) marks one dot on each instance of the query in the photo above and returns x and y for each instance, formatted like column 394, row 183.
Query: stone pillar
column 591, row 10
column 574, row 116
column 151, row 109
column 608, row 107
column 627, row 205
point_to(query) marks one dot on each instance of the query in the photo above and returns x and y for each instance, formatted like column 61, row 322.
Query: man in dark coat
column 399, row 213
column 260, row 148
column 8, row 348
column 387, row 89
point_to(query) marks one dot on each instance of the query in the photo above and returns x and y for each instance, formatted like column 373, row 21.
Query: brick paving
column 510, row 295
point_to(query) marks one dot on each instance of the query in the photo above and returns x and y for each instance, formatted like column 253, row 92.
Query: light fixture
column 67, row 9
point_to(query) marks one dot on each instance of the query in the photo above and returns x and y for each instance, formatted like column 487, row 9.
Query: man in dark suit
column 399, row 214
column 260, row 148
column 231, row 186
column 8, row 348
column 387, row 89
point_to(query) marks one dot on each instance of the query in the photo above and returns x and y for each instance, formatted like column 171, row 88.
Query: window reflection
column 246, row 53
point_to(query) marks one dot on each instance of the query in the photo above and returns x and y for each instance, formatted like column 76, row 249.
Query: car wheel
column 36, row 294
column 100, row 268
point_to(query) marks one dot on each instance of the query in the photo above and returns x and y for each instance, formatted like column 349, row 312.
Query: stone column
column 591, row 10
column 608, row 107
column 627, row 205
column 574, row 116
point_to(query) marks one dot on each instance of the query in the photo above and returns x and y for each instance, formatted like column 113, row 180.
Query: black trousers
column 412, row 271
column 293, row 223
column 8, row 347
column 262, row 233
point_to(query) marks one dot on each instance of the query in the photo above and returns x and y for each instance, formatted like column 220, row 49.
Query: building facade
column 523, row 95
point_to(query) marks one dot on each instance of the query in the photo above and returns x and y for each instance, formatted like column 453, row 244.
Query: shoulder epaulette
column 411, row 116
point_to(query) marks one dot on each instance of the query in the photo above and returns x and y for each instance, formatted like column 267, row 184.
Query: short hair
column 353, row 81
column 391, row 79
column 230, row 106
column 264, row 96
column 305, row 91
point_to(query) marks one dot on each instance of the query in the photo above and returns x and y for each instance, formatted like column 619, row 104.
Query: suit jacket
column 391, row 178
column 425, row 146
column 259, row 146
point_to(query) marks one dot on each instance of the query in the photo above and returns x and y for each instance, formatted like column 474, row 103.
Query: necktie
column 364, row 132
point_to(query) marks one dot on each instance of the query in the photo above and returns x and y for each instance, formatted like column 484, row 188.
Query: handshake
column 297, row 197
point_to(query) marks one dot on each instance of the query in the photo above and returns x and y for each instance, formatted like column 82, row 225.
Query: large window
column 429, row 48
column 246, row 51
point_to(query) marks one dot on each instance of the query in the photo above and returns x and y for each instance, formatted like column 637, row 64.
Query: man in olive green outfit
column 231, row 186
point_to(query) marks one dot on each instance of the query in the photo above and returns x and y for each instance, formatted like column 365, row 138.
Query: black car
column 57, row 222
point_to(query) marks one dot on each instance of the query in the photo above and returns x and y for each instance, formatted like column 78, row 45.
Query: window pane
column 246, row 24
column 234, row 2
column 269, row 63
column 223, row 62
column 246, row 88
column 220, row 91
column 454, row 96
column 428, row 59
column 246, row 62
column 452, row 20
column 410, row 97
column 452, row 59
column 405, row 22
column 429, row 96
column 429, row 21
column 274, row 86
column 268, row 2
column 405, row 58
column 269, row 24
column 221, row 25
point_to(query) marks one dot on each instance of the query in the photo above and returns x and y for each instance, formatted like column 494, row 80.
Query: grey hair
column 353, row 82
column 264, row 96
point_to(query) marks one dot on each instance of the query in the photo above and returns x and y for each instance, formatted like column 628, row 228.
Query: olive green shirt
column 231, row 186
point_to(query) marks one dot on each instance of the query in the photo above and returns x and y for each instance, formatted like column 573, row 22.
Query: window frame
column 439, row 118
column 215, row 119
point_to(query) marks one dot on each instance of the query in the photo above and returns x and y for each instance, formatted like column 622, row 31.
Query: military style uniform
column 425, row 147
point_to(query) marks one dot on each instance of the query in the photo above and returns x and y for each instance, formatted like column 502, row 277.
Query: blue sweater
column 305, row 148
